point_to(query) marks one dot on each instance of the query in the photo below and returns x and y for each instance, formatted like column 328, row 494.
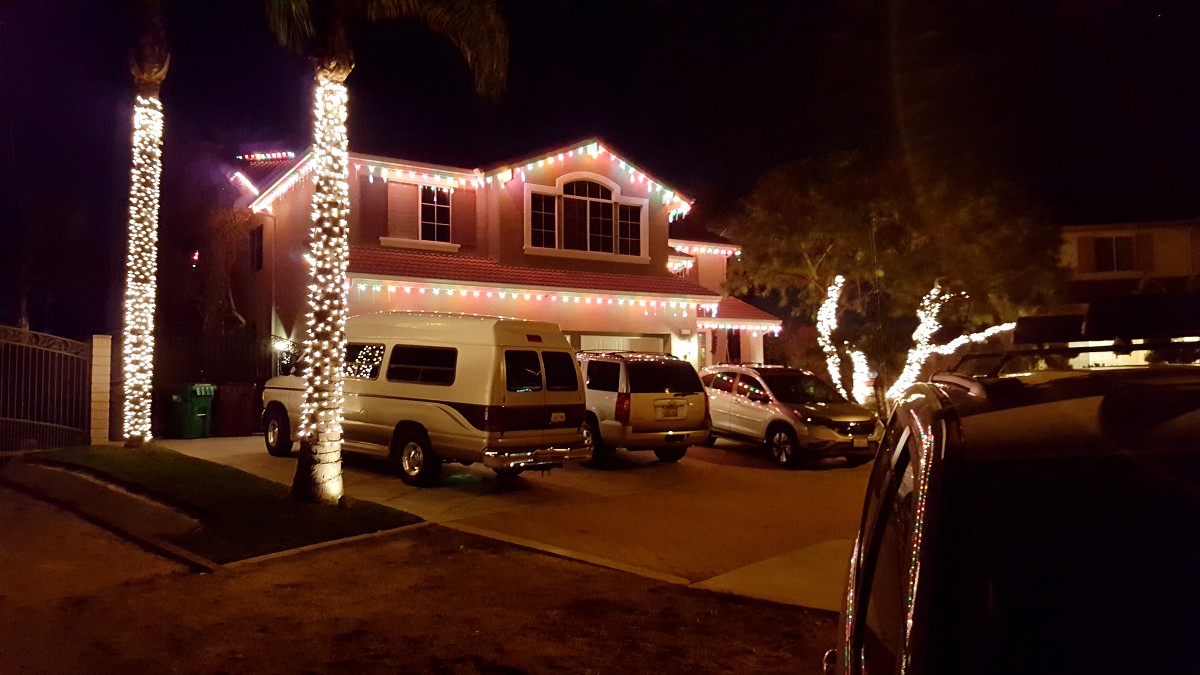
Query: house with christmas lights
column 578, row 236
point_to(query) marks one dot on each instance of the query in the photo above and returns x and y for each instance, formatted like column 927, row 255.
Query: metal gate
column 45, row 382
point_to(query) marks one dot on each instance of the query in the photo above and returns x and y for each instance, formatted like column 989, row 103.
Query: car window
column 724, row 381
column 797, row 387
column 658, row 377
column 362, row 361
column 707, row 379
column 603, row 375
column 560, row 371
column 751, row 388
column 522, row 370
column 885, row 584
column 423, row 365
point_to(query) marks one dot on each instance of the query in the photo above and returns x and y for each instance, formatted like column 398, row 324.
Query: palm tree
column 148, row 61
column 319, row 26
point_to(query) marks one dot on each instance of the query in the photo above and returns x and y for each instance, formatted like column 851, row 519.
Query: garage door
column 624, row 343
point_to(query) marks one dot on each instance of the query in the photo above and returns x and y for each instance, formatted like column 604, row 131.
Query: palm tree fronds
column 475, row 27
column 291, row 21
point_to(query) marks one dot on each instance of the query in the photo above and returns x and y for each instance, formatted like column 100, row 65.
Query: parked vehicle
column 643, row 401
column 427, row 387
column 1037, row 517
column 794, row 413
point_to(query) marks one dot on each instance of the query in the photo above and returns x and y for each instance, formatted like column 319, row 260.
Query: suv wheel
column 591, row 438
column 418, row 465
column 784, row 446
column 669, row 455
column 278, row 434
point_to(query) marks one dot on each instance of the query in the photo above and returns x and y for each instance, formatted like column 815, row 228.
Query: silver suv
column 792, row 411
column 642, row 401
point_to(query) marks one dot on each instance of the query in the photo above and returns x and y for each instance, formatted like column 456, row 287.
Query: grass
column 243, row 515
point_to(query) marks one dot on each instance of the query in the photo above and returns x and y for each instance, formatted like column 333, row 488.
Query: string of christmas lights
column 539, row 295
column 716, row 250
column 141, row 268
column 325, row 338
column 927, row 325
column 826, row 324
column 266, row 156
column 862, row 376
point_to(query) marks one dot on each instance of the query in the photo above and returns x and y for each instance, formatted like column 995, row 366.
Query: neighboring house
column 1122, row 258
column 577, row 236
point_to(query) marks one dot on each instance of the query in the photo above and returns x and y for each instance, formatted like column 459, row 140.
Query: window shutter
column 372, row 218
column 1087, row 254
column 1143, row 248
column 402, row 203
column 462, row 218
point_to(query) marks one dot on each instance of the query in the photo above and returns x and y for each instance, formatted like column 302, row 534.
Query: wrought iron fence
column 45, row 386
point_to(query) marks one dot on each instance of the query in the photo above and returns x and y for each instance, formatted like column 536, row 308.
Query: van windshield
column 662, row 377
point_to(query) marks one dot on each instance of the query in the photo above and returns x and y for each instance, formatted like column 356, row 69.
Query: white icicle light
column 862, row 375
column 325, row 339
column 826, row 324
column 142, row 267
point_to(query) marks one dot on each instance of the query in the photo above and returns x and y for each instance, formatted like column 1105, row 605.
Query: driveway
column 724, row 518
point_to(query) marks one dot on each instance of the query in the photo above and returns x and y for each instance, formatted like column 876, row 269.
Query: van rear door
column 564, row 398
column 524, row 414
column 664, row 396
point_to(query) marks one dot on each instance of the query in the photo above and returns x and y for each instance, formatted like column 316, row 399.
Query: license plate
column 558, row 417
column 860, row 441
column 668, row 410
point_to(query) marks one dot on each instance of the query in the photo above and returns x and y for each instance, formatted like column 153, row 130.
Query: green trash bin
column 191, row 411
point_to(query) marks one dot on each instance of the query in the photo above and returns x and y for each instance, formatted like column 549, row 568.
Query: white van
column 428, row 387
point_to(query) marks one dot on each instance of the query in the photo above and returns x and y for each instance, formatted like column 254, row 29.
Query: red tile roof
column 378, row 260
column 733, row 309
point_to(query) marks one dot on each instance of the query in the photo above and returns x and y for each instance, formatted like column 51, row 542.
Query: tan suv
column 642, row 401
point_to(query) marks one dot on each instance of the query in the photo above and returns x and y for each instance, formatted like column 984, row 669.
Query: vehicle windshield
column 800, row 388
column 1068, row 565
column 661, row 377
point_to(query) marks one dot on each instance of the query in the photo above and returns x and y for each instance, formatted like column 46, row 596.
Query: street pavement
column 723, row 518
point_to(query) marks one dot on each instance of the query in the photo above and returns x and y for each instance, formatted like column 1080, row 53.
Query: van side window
column 423, row 365
column 603, row 375
column 362, row 361
column 522, row 370
column 560, row 371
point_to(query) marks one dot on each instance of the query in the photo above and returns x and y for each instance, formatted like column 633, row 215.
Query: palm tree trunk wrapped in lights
column 319, row 471
column 475, row 27
column 148, row 62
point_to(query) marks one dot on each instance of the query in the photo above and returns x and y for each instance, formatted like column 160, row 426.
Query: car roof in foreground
column 1063, row 413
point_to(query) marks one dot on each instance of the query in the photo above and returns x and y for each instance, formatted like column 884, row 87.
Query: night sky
column 1092, row 105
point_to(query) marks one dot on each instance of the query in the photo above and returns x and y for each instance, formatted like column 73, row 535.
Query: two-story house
column 577, row 236
column 1121, row 258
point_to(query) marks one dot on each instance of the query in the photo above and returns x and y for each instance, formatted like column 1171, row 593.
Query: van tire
column 413, row 452
column 670, row 455
column 277, row 433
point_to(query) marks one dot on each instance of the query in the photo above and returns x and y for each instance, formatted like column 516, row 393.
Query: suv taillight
column 622, row 411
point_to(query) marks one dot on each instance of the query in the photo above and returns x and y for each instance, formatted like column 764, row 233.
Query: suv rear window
column 654, row 377
column 560, row 371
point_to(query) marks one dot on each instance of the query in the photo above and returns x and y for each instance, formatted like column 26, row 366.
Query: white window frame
column 556, row 191
column 449, row 208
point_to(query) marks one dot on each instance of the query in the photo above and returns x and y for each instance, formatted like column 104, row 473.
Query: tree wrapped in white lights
column 477, row 29
column 922, row 349
column 148, row 62
column 826, row 324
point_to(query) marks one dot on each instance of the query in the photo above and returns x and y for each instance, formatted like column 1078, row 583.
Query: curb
column 266, row 557
column 569, row 555
column 192, row 561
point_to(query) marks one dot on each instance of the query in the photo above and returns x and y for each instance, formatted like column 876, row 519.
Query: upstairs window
column 1115, row 254
column 435, row 214
column 585, row 217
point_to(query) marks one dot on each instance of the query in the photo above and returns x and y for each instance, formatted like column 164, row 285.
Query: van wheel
column 278, row 434
column 670, row 455
column 413, row 452
column 592, row 439
column 784, row 447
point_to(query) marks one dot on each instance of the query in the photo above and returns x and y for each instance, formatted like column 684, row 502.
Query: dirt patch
column 426, row 600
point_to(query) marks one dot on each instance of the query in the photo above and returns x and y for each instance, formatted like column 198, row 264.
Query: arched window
column 585, row 217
